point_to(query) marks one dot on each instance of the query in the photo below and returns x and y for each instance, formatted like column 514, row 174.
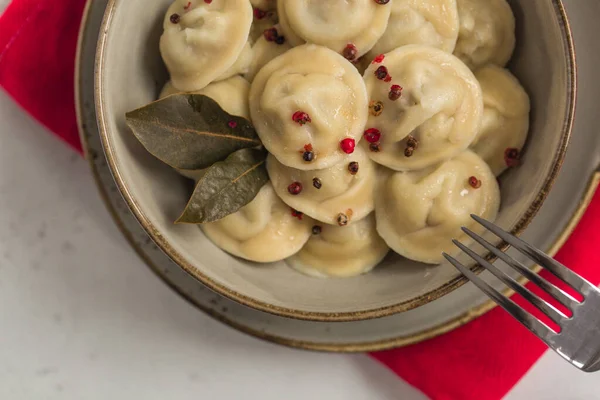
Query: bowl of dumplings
column 314, row 159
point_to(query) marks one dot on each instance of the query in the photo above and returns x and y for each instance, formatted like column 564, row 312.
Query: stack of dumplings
column 387, row 122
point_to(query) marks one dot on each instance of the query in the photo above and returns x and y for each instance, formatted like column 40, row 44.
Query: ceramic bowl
column 130, row 73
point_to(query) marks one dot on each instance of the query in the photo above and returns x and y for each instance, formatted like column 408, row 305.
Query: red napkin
column 482, row 360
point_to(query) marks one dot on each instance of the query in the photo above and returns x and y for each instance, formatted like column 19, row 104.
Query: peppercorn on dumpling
column 336, row 195
column 309, row 98
column 425, row 105
column 420, row 212
column 351, row 27
column 426, row 22
column 487, row 32
column 341, row 252
column 505, row 118
column 265, row 230
column 203, row 40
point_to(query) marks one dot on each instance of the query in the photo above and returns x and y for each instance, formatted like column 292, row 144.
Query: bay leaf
column 226, row 187
column 190, row 131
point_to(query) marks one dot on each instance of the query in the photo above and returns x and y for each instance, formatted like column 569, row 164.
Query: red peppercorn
column 208, row 1
column 232, row 124
column 474, row 182
column 295, row 188
column 512, row 157
column 342, row 219
column 350, row 52
column 259, row 14
column 382, row 1
column 395, row 92
column 388, row 78
column 372, row 135
column 379, row 59
column 271, row 34
column 347, row 145
column 382, row 73
column 175, row 18
column 301, row 118
column 297, row 214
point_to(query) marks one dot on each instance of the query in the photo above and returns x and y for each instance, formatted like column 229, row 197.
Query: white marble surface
column 81, row 317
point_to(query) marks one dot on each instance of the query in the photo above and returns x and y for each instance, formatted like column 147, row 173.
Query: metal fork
column 578, row 340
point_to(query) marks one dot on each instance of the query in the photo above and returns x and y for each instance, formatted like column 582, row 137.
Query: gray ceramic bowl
column 130, row 73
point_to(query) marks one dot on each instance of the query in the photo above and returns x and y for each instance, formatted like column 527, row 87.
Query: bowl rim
column 182, row 262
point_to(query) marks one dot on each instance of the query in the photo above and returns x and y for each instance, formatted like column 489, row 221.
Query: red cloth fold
column 481, row 360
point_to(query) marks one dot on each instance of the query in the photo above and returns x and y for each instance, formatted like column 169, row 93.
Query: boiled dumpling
column 264, row 51
column 265, row 230
column 427, row 22
column 426, row 107
column 337, row 195
column 308, row 98
column 420, row 212
column 346, row 251
column 334, row 23
column 231, row 94
column 505, row 118
column 168, row 90
column 487, row 32
column 241, row 65
column 202, row 41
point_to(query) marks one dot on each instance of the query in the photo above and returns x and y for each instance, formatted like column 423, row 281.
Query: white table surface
column 81, row 316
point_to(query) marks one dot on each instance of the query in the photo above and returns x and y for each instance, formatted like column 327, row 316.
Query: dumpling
column 341, row 251
column 231, row 94
column 309, row 98
column 264, row 51
column 334, row 23
column 505, row 118
column 426, row 107
column 427, row 22
column 420, row 212
column 265, row 230
column 168, row 90
column 201, row 41
column 337, row 195
column 487, row 32
column 241, row 65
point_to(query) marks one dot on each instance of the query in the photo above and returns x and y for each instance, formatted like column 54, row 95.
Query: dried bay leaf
column 190, row 131
column 226, row 187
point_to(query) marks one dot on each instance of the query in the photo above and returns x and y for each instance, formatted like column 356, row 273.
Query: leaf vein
column 220, row 135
